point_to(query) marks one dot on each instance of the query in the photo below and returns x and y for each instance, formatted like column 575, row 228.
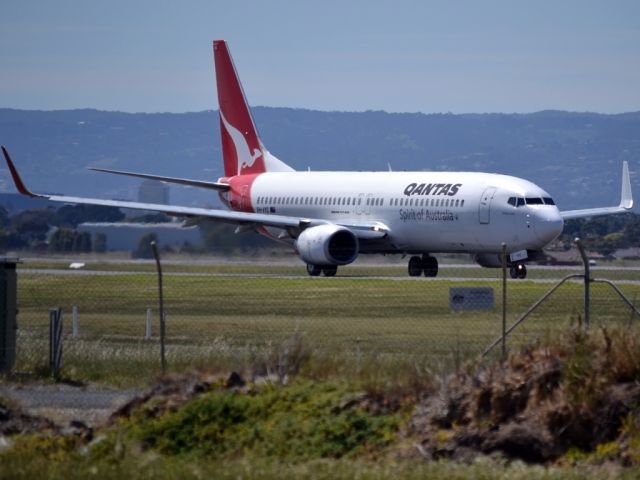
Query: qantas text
column 449, row 189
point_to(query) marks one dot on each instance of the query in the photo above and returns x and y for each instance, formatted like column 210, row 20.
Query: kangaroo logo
column 244, row 157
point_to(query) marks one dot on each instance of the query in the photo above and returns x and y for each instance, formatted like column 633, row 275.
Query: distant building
column 152, row 191
column 125, row 236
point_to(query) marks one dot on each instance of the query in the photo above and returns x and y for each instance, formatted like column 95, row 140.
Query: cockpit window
column 534, row 201
column 548, row 201
column 516, row 201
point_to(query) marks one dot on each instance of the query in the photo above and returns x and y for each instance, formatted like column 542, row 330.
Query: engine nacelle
column 327, row 245
column 488, row 260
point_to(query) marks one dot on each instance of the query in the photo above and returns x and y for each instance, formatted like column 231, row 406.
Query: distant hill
column 575, row 156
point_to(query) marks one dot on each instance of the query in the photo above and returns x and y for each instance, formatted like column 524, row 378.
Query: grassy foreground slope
column 564, row 409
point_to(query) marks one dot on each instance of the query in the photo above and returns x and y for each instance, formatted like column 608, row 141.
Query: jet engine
column 327, row 245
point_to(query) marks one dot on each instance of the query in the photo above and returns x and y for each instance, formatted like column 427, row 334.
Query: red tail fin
column 241, row 146
column 242, row 149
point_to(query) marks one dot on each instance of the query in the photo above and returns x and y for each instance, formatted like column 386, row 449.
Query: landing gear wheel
column 415, row 266
column 513, row 272
column 522, row 271
column 519, row 270
column 430, row 266
column 313, row 270
column 330, row 271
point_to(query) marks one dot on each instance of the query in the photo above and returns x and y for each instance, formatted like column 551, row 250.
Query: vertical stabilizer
column 242, row 150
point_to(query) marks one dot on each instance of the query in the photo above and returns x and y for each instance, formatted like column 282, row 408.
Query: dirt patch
column 538, row 404
column 13, row 420
column 173, row 391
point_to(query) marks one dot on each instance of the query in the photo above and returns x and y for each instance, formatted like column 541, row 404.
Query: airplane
column 330, row 218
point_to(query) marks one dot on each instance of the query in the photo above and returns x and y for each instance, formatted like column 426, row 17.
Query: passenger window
column 462, row 203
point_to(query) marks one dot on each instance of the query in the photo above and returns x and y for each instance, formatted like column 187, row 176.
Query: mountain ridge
column 576, row 156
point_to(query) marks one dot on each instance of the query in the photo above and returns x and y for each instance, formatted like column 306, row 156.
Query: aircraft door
column 484, row 209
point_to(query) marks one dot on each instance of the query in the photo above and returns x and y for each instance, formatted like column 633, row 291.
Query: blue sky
column 399, row 56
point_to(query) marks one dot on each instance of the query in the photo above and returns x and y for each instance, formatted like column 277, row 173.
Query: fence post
column 163, row 364
column 504, row 301
column 55, row 341
column 74, row 321
column 587, row 281
column 148, row 329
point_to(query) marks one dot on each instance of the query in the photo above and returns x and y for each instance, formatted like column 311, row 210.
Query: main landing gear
column 425, row 264
column 316, row 270
column 518, row 270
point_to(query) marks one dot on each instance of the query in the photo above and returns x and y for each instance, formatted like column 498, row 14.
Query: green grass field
column 240, row 315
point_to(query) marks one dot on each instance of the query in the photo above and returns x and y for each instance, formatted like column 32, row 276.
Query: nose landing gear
column 518, row 270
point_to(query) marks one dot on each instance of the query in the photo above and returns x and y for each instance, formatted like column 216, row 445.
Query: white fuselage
column 424, row 211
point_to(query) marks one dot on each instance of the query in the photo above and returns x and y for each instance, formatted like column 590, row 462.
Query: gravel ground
column 63, row 403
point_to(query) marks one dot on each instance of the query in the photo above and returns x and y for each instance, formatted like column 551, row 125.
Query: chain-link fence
column 241, row 315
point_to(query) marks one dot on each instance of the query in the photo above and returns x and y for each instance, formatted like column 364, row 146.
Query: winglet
column 626, row 200
column 16, row 176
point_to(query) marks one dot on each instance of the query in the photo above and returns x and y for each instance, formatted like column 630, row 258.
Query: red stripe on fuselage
column 238, row 197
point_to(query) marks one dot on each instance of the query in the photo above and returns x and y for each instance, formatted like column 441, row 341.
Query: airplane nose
column 548, row 226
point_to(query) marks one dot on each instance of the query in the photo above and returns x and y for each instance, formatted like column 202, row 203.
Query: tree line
column 55, row 230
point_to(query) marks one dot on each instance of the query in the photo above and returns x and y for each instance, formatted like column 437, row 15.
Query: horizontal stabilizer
column 181, row 181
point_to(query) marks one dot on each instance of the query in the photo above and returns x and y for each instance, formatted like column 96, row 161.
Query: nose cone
column 548, row 225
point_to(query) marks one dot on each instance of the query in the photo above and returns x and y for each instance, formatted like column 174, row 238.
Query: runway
column 444, row 276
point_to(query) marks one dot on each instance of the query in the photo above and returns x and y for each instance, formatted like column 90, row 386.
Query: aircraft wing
column 361, row 230
column 626, row 201
column 181, row 181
